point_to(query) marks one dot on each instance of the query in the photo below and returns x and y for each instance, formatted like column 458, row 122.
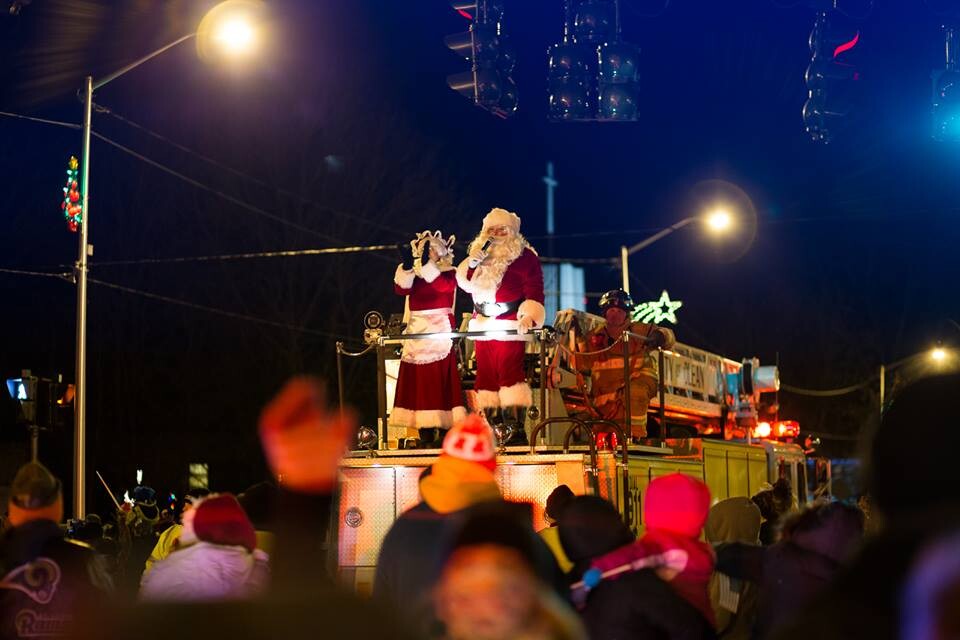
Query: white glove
column 476, row 257
column 525, row 324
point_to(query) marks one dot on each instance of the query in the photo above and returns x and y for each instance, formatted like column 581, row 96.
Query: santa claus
column 503, row 274
column 429, row 397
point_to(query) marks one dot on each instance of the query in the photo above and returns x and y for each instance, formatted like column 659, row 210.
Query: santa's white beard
column 489, row 274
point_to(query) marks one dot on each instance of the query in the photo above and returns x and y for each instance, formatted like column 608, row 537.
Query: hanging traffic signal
column 830, row 76
column 592, row 73
column 488, row 83
column 617, row 81
column 946, row 92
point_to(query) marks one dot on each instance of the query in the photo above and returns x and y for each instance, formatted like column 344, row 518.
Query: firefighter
column 600, row 354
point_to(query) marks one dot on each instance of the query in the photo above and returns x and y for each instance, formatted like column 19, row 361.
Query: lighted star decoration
column 657, row 311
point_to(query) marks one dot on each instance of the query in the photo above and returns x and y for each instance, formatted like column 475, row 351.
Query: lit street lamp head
column 230, row 30
column 719, row 220
column 939, row 354
column 235, row 36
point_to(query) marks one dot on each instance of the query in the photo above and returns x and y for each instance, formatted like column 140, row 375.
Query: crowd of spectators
column 466, row 564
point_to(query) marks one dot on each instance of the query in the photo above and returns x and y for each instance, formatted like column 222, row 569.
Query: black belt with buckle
column 494, row 309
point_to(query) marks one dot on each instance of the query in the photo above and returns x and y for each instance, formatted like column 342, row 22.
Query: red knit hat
column 218, row 519
column 472, row 440
column 678, row 504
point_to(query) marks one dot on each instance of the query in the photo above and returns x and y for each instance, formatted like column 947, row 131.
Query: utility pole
column 551, row 183
column 551, row 272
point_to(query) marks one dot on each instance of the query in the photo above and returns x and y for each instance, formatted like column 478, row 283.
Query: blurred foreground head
column 35, row 494
column 918, row 439
column 489, row 588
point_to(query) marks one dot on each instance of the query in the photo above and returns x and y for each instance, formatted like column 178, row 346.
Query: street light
column 230, row 22
column 717, row 221
column 938, row 355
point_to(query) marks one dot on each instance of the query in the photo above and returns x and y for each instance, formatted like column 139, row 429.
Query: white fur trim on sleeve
column 516, row 395
column 487, row 399
column 403, row 278
column 533, row 309
column 462, row 279
column 430, row 271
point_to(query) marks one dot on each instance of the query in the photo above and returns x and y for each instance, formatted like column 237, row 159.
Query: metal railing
column 382, row 344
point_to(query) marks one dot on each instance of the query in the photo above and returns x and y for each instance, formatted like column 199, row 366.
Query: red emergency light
column 762, row 430
column 782, row 429
column 788, row 429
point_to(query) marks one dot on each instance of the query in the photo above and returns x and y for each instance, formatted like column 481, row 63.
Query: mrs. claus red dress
column 428, row 389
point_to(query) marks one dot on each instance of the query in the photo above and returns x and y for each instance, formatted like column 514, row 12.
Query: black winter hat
column 557, row 500
column 591, row 526
column 34, row 487
column 500, row 523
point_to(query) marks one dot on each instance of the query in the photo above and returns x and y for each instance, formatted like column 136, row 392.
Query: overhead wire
column 225, row 196
column 223, row 312
column 47, row 274
column 185, row 178
column 246, row 256
column 176, row 301
column 59, row 123
column 827, row 393
column 240, row 174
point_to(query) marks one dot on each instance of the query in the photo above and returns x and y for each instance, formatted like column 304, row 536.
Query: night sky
column 344, row 132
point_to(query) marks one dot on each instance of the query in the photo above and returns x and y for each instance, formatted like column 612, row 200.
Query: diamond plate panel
column 367, row 510
column 408, row 487
column 528, row 483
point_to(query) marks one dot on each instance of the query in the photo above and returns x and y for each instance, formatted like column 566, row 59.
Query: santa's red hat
column 218, row 519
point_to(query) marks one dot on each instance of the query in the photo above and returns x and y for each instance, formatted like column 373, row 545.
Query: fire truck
column 710, row 401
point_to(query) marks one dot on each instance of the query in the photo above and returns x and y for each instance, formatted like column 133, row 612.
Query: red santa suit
column 428, row 387
column 505, row 289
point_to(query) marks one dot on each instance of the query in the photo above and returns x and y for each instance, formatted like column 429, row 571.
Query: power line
column 827, row 393
column 59, row 123
column 202, row 186
column 215, row 310
column 606, row 261
column 23, row 272
column 246, row 256
column 216, row 192
column 241, row 174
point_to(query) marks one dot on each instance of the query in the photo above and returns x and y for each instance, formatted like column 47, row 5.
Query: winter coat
column 685, row 563
column 734, row 600
column 302, row 603
column 206, row 571
column 789, row 574
column 641, row 606
column 411, row 559
column 45, row 580
column 864, row 600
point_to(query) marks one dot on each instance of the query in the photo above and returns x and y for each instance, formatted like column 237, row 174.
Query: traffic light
column 488, row 83
column 830, row 77
column 592, row 73
column 946, row 92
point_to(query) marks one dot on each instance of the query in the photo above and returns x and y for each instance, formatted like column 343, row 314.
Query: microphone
column 486, row 245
